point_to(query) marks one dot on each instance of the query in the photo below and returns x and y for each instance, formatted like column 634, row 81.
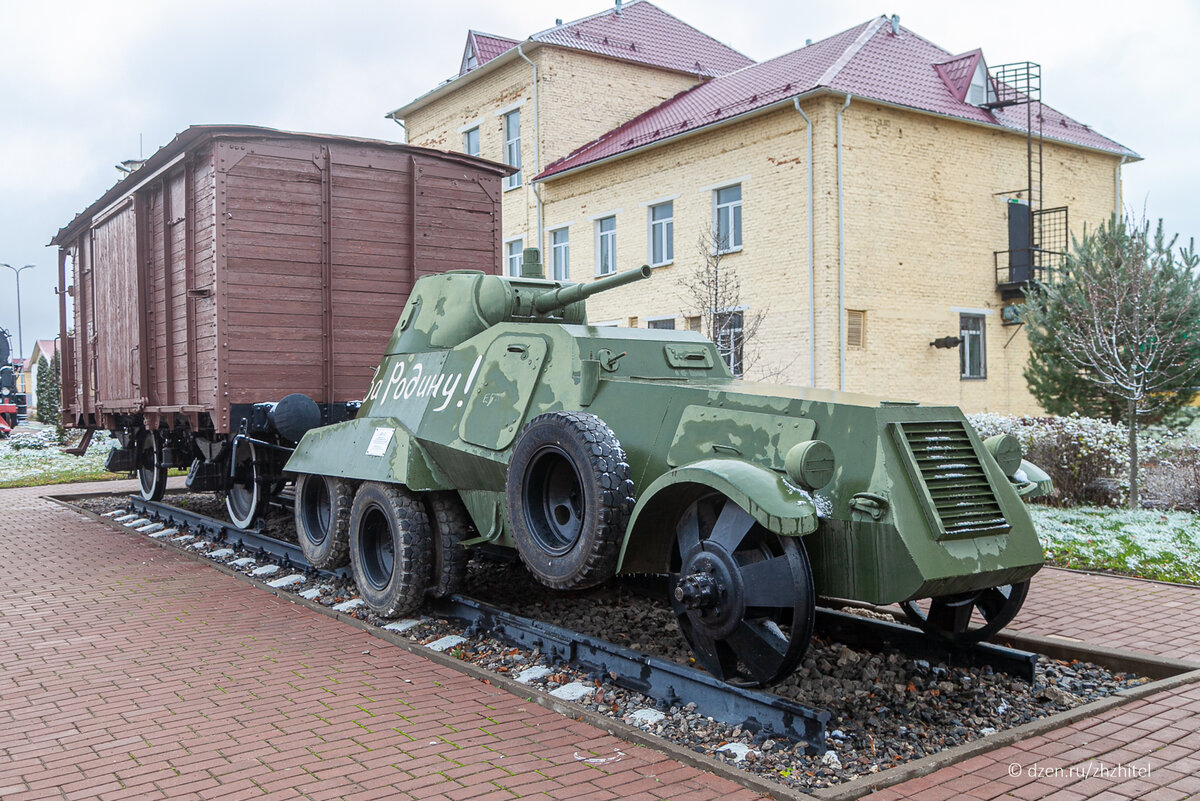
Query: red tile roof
column 486, row 47
column 641, row 31
column 867, row 61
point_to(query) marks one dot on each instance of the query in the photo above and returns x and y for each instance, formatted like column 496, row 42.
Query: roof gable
column 482, row 48
column 872, row 61
column 958, row 72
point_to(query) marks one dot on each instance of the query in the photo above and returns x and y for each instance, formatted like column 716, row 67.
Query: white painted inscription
column 380, row 441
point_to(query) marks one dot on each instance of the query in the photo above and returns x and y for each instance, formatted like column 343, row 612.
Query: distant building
column 935, row 188
column 42, row 347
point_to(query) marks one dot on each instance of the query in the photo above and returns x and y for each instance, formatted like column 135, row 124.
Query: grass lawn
column 1142, row 542
column 35, row 466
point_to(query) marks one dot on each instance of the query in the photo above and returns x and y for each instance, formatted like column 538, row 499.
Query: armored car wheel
column 569, row 496
column 449, row 525
column 244, row 499
column 743, row 595
column 322, row 510
column 152, row 475
column 970, row 617
column 390, row 549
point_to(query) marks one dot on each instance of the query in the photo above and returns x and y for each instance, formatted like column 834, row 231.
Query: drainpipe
column 397, row 121
column 841, row 254
column 812, row 295
column 1117, row 186
column 537, row 154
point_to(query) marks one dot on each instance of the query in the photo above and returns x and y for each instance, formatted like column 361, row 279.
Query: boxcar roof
column 196, row 135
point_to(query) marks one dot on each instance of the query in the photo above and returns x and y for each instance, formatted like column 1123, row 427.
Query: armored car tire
column 569, row 496
column 390, row 548
column 743, row 595
column 967, row 618
column 449, row 525
column 322, row 510
column 152, row 475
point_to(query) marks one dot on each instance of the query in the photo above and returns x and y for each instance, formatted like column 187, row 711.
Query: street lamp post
column 20, row 335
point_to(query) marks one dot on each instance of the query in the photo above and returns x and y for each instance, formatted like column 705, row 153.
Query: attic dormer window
column 470, row 62
column 977, row 92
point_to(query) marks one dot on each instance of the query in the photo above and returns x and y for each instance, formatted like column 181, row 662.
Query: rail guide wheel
column 742, row 594
column 152, row 475
column 967, row 618
column 245, row 499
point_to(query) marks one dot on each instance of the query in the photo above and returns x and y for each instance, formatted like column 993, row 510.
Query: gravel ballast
column 886, row 708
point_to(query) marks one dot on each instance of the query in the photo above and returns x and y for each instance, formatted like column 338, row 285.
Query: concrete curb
column 1169, row 674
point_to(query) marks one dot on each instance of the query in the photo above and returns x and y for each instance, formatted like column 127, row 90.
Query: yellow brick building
column 861, row 186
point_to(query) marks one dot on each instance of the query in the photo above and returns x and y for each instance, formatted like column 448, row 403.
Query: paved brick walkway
column 1147, row 749
column 1146, row 616
column 128, row 671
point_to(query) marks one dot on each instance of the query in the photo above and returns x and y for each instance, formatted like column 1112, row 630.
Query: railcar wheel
column 970, row 617
column 449, row 524
column 244, row 499
column 742, row 594
column 322, row 509
column 152, row 475
column 569, row 496
column 390, row 549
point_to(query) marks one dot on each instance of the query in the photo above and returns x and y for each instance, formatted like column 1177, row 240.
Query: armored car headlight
column 1006, row 450
column 810, row 464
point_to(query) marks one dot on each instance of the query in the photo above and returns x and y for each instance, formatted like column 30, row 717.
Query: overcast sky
column 85, row 85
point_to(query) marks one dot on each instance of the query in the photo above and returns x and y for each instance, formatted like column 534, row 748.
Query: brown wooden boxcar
column 240, row 265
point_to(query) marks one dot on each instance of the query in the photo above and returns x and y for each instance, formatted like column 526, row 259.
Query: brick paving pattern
column 128, row 671
column 1121, row 613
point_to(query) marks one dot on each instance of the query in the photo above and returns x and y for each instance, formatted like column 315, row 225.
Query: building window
column 606, row 245
column 512, row 147
column 729, row 338
column 664, row 324
column 633, row 322
column 471, row 142
column 693, row 323
column 512, row 257
column 972, row 351
column 856, row 329
column 727, row 218
column 560, row 254
column 662, row 234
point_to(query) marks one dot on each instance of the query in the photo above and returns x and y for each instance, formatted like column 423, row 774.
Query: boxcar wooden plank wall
column 249, row 264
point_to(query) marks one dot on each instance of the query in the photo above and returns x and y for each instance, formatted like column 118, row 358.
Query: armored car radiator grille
column 960, row 497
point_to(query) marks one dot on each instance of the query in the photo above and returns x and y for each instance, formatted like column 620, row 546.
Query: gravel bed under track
column 886, row 708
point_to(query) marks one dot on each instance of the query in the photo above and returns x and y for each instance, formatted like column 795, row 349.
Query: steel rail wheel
column 152, row 475
column 970, row 617
column 244, row 499
column 743, row 595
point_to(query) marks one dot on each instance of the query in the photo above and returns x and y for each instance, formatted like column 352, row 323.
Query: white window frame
column 668, row 226
column 671, row 318
column 467, row 141
column 966, row 347
column 736, row 366
column 511, row 269
column 606, row 324
column 601, row 245
column 512, row 148
column 556, row 248
column 735, row 211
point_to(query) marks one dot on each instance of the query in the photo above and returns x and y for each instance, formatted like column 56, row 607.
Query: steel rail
column 666, row 683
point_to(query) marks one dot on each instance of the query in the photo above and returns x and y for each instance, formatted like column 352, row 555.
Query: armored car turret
column 499, row 416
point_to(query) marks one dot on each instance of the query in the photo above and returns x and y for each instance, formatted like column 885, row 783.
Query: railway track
column 665, row 683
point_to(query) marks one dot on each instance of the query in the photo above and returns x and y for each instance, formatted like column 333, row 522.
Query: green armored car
column 499, row 416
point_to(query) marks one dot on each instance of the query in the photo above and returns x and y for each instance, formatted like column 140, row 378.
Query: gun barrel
column 565, row 296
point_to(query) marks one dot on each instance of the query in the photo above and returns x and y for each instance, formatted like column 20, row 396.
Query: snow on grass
column 1136, row 542
column 32, row 458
